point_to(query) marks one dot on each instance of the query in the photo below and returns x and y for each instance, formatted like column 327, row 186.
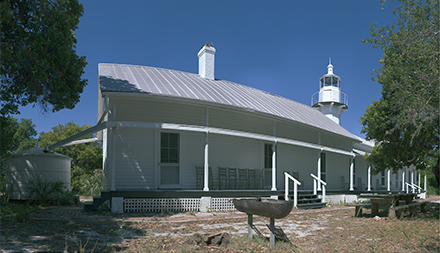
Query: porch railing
column 287, row 176
column 317, row 180
column 413, row 186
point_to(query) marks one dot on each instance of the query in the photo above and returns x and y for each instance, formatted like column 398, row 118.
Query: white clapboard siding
column 134, row 159
column 296, row 131
column 229, row 151
column 146, row 110
column 362, row 170
column 238, row 120
column 337, row 165
column 293, row 158
column 137, row 149
column 191, row 154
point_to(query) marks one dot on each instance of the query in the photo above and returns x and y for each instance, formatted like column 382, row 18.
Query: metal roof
column 166, row 82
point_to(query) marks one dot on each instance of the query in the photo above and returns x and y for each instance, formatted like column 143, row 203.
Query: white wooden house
column 181, row 141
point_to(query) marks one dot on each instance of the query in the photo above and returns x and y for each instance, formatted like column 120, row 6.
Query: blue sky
column 282, row 47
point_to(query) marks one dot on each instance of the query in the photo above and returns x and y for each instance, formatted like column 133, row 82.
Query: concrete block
column 117, row 205
column 205, row 204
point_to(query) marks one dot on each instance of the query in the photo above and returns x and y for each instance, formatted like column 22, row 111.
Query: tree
column 86, row 157
column 405, row 121
column 39, row 64
column 16, row 136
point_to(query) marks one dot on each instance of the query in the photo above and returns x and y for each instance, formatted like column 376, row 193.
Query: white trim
column 113, row 169
column 192, row 128
column 81, row 142
column 369, row 177
column 389, row 180
column 213, row 130
column 206, row 154
column 274, row 168
column 425, row 181
column 351, row 174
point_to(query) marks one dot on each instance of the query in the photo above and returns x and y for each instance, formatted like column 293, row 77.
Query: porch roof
column 172, row 83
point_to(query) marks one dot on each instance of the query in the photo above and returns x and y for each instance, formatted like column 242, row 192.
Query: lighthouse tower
column 329, row 99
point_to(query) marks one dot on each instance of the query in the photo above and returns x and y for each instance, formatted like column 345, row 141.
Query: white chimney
column 206, row 62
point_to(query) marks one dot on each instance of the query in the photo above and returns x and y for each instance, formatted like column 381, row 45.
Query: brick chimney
column 206, row 61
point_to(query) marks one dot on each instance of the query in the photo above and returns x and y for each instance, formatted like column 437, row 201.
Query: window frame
column 169, row 162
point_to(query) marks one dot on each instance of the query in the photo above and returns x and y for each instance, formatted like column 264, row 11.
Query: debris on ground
column 214, row 239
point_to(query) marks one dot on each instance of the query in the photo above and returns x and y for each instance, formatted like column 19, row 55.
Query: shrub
column 92, row 186
column 44, row 192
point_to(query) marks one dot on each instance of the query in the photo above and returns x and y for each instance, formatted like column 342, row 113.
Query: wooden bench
column 358, row 208
column 397, row 210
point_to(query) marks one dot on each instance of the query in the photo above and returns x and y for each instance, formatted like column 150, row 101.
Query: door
column 169, row 160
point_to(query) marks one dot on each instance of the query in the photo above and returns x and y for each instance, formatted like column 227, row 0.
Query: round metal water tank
column 25, row 166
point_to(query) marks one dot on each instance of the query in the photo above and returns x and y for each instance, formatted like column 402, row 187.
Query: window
column 268, row 165
column 169, row 148
column 268, row 156
column 169, row 158
column 323, row 167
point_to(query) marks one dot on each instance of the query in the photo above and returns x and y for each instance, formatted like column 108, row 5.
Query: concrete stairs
column 308, row 200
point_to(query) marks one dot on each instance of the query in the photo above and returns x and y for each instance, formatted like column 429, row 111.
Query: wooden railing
column 287, row 176
column 413, row 186
column 317, row 180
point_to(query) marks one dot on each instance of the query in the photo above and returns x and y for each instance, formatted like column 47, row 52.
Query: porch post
column 403, row 179
column 319, row 170
column 424, row 188
column 274, row 169
column 206, row 165
column 113, row 169
column 389, row 180
column 206, row 157
column 319, row 162
column 418, row 184
column 351, row 174
column 369, row 178
column 412, row 180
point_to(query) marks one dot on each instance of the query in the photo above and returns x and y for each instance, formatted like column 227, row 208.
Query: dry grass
column 327, row 231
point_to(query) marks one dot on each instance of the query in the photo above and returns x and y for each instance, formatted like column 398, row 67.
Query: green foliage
column 16, row 136
column 87, row 157
column 44, row 192
column 92, row 186
column 39, row 64
column 405, row 121
column 16, row 211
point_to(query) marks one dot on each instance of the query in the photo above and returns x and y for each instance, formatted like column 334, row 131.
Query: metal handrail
column 342, row 99
column 287, row 176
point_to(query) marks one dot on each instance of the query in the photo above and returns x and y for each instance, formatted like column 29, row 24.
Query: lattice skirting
column 136, row 205
column 132, row 205
column 222, row 204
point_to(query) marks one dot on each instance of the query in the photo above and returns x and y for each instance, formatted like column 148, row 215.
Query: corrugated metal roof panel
column 129, row 78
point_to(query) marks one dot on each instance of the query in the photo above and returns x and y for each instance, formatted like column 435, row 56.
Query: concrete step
column 97, row 201
column 316, row 205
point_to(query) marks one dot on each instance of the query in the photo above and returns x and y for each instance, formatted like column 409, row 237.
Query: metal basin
column 271, row 208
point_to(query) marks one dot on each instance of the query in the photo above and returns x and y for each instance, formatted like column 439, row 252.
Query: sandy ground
column 71, row 229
